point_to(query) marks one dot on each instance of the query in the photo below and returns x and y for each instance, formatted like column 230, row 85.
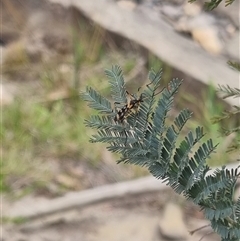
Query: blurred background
column 51, row 50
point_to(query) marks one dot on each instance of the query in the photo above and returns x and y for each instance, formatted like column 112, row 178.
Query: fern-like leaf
column 229, row 91
column 117, row 84
column 141, row 137
column 97, row 101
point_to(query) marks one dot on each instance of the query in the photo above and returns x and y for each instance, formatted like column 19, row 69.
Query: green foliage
column 214, row 3
column 144, row 139
column 235, row 65
column 229, row 92
column 234, row 113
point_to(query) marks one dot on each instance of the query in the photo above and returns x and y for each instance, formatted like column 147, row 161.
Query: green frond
column 142, row 116
column 226, row 115
column 128, row 153
column 141, row 137
column 233, row 130
column 172, row 134
column 220, row 210
column 111, row 135
column 228, row 2
column 140, row 121
column 159, row 119
column 218, row 186
column 104, row 122
column 234, row 65
column 182, row 118
column 228, row 91
column 225, row 230
column 173, row 86
column 155, row 79
column 97, row 101
column 104, row 138
column 157, row 171
column 237, row 208
column 140, row 160
column 117, row 84
column 212, row 4
column 197, row 163
column 207, row 188
column 164, row 105
column 158, row 124
column 107, row 136
column 181, row 159
column 170, row 141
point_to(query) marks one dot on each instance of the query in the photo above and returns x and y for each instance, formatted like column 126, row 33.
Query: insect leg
column 159, row 91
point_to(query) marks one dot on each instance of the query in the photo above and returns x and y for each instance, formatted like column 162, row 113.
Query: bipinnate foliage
column 144, row 138
column 226, row 91
column 211, row 4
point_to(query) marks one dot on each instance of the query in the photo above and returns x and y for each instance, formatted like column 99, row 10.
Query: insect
column 133, row 104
